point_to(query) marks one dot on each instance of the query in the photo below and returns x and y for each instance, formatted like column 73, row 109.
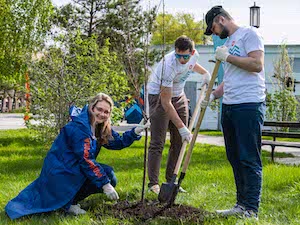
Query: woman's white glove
column 185, row 134
column 205, row 103
column 206, row 79
column 110, row 192
column 141, row 127
column 222, row 53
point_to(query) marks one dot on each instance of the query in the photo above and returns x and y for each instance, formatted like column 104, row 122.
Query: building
column 10, row 100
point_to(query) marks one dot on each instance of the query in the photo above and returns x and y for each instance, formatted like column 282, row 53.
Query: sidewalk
column 11, row 121
column 219, row 141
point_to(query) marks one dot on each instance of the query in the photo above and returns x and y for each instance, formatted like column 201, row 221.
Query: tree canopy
column 123, row 22
column 70, row 76
column 23, row 26
column 172, row 26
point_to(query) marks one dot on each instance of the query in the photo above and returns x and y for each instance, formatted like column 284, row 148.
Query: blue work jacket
column 70, row 161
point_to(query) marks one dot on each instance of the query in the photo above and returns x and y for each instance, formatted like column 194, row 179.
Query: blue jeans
column 242, row 127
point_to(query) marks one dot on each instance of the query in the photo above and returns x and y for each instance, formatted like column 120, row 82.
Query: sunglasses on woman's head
column 185, row 57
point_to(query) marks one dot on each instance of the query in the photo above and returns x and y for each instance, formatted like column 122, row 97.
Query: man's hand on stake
column 141, row 127
column 206, row 103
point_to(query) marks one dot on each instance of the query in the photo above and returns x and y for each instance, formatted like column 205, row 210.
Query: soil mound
column 152, row 209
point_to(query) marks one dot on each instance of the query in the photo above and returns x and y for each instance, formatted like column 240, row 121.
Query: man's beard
column 225, row 32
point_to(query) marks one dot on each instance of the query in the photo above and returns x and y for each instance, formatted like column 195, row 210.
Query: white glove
column 222, row 53
column 141, row 127
column 185, row 134
column 205, row 103
column 206, row 79
column 110, row 192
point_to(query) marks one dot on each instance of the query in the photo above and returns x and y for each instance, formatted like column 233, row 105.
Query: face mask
column 225, row 32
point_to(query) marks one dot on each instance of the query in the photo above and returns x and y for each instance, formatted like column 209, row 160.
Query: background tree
column 70, row 76
column 66, row 19
column 124, row 22
column 135, row 53
column 282, row 103
column 173, row 26
column 23, row 26
column 95, row 46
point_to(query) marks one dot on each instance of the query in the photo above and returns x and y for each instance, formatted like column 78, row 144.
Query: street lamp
column 255, row 16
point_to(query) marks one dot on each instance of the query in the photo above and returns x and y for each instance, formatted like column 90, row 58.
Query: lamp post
column 255, row 16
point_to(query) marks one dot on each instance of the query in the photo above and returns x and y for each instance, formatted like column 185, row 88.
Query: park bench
column 280, row 134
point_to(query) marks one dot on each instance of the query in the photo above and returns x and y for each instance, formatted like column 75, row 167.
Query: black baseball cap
column 210, row 15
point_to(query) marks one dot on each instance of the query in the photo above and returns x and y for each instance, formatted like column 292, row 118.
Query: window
column 296, row 66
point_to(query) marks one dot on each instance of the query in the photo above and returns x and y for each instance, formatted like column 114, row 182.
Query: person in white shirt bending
column 168, row 106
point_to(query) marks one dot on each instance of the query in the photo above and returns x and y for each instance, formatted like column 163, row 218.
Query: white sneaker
column 155, row 188
column 76, row 210
column 236, row 210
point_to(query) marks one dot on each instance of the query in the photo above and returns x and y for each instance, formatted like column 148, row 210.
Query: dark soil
column 153, row 209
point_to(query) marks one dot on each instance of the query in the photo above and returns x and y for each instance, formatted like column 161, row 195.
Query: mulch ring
column 153, row 209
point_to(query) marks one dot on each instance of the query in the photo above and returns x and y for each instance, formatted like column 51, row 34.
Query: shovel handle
column 197, row 128
column 191, row 126
column 197, row 108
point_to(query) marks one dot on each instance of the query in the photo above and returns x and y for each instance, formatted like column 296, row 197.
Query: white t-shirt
column 241, row 86
column 174, row 73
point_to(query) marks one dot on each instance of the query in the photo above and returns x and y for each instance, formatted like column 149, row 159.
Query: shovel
column 164, row 195
column 168, row 191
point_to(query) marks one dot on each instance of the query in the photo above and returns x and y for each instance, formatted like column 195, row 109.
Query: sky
column 279, row 20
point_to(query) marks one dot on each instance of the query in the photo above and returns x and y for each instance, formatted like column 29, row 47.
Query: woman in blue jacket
column 70, row 172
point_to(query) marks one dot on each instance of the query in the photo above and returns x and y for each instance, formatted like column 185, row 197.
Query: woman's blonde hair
column 103, row 130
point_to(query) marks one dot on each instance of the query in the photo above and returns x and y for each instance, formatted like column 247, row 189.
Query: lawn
column 209, row 182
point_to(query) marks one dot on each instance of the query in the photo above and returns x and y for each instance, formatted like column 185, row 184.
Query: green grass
column 209, row 182
column 211, row 132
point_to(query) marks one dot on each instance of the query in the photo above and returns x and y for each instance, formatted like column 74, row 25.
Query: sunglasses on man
column 184, row 56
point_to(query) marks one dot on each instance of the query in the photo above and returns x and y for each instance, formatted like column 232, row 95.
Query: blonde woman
column 70, row 172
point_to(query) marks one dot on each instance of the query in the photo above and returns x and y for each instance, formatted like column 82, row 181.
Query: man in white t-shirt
column 243, row 109
column 168, row 106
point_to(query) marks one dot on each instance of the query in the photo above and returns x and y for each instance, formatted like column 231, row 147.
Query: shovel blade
column 167, row 192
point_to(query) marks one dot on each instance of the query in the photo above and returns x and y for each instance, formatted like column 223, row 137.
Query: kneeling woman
column 70, row 171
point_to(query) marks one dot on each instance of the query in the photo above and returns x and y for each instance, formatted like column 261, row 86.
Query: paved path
column 11, row 121
column 15, row 121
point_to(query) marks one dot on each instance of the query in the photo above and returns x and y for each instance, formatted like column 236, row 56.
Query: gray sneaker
column 236, row 210
column 76, row 210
